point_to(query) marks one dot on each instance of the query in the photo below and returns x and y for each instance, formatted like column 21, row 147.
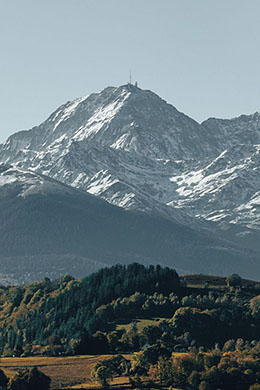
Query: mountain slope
column 48, row 229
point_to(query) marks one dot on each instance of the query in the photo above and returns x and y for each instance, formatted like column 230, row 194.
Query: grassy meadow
column 140, row 323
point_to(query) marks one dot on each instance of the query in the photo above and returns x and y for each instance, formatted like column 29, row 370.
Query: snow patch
column 7, row 179
column 68, row 111
column 102, row 183
column 102, row 116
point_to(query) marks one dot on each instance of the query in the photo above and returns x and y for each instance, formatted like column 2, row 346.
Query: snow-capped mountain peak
column 130, row 147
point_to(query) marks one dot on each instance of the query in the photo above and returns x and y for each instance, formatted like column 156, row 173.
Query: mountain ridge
column 134, row 150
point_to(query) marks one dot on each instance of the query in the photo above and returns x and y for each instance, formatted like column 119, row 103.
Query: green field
column 218, row 282
column 141, row 323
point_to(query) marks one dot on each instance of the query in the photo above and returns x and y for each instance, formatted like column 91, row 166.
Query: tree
column 239, row 344
column 30, row 380
column 196, row 322
column 54, row 340
column 204, row 386
column 212, row 359
column 155, row 352
column 229, row 345
column 255, row 307
column 152, row 334
column 103, row 375
column 19, row 381
column 136, row 382
column 140, row 363
column 38, row 380
column 165, row 371
column 194, row 380
column 113, row 341
column 234, row 280
column 3, row 378
column 118, row 365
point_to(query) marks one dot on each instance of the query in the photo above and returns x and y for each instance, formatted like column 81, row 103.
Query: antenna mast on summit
column 130, row 77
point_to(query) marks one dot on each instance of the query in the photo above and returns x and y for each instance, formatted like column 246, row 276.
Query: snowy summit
column 133, row 149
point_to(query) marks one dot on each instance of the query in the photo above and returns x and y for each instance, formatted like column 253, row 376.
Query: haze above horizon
column 203, row 57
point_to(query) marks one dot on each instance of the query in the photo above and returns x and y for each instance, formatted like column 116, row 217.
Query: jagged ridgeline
column 31, row 314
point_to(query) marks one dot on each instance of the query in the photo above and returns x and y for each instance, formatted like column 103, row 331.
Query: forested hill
column 32, row 313
column 123, row 308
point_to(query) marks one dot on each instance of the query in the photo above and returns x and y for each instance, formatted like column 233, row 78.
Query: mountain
column 49, row 229
column 122, row 144
column 134, row 150
column 131, row 148
column 226, row 190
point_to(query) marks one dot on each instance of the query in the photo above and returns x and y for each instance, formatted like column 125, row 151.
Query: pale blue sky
column 202, row 56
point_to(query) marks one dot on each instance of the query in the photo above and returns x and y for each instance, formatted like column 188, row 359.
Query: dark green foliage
column 67, row 308
column 38, row 380
column 3, row 378
column 234, row 280
column 194, row 380
column 152, row 334
column 91, row 345
column 103, row 375
column 71, row 316
column 155, row 352
column 30, row 380
column 117, row 365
